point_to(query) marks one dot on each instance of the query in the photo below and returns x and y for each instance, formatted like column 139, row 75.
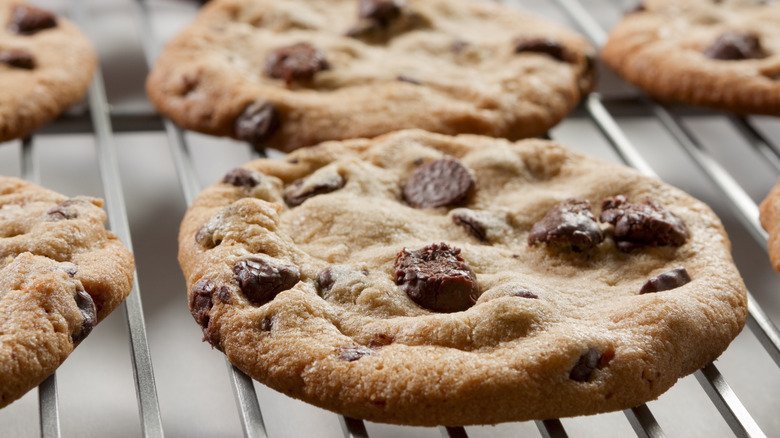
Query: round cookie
column 61, row 272
column 542, row 284
column 46, row 64
column 720, row 54
column 291, row 73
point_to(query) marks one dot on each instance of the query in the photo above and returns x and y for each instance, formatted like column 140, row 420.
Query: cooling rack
column 168, row 383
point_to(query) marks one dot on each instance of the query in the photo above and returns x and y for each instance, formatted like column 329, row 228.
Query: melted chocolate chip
column 471, row 225
column 300, row 190
column 258, row 123
column 444, row 182
column 524, row 293
column 63, row 211
column 299, row 62
column 642, row 224
column 569, row 225
column 89, row 314
column 241, row 177
column 201, row 302
column 353, row 353
column 380, row 340
column 544, row 46
column 261, row 280
column 325, row 279
column 736, row 46
column 436, row 278
column 383, row 12
column 585, row 366
column 408, row 79
column 27, row 20
column 666, row 281
column 266, row 324
column 17, row 58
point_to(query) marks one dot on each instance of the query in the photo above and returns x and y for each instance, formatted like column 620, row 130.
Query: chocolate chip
column 408, row 79
column 638, row 8
column 544, row 46
column 200, row 301
column 71, row 270
column 261, row 280
column 436, row 278
column 325, row 279
column 63, row 211
column 258, row 123
column 471, row 225
column 440, row 183
column 241, row 177
column 380, row 340
column 298, row 62
column 666, row 281
column 353, row 353
column 524, row 293
column 585, row 366
column 642, row 224
column 27, row 20
column 17, row 58
column 317, row 184
column 266, row 324
column 88, row 312
column 736, row 46
column 568, row 225
column 382, row 12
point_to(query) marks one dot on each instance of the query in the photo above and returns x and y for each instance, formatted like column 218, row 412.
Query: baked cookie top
column 61, row 272
column 720, row 54
column 46, row 64
column 424, row 279
column 291, row 73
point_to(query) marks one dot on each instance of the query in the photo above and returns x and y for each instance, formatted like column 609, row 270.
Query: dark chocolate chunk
column 471, row 225
column 27, row 20
column 266, row 324
column 569, row 225
column 666, row 281
column 444, row 182
column 261, row 280
column 258, row 123
column 409, row 79
column 585, row 366
column 545, row 46
column 436, row 278
column 380, row 340
column 736, row 46
column 642, row 224
column 17, row 58
column 383, row 12
column 303, row 189
column 325, row 279
column 89, row 313
column 353, row 353
column 299, row 62
column 63, row 211
column 241, row 177
column 201, row 302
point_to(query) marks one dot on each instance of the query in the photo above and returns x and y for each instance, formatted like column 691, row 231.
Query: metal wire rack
column 728, row 161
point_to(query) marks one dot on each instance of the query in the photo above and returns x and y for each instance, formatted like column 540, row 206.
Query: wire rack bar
column 551, row 428
column 643, row 422
column 732, row 410
column 49, row 407
column 758, row 141
column 148, row 403
column 352, row 427
column 246, row 401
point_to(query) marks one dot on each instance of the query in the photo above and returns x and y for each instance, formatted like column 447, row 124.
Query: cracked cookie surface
column 61, row 272
column 357, row 299
column 46, row 64
column 291, row 73
column 719, row 54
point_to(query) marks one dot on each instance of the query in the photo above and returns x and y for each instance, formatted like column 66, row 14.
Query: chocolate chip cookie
column 769, row 215
column 424, row 279
column 61, row 272
column 46, row 64
column 721, row 54
column 291, row 73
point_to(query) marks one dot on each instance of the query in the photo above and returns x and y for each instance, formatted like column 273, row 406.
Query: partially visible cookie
column 291, row 73
column 61, row 272
column 770, row 219
column 423, row 279
column 720, row 54
column 46, row 64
